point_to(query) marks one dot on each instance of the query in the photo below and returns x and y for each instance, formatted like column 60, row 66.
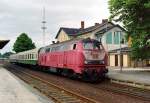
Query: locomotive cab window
column 91, row 45
column 48, row 50
column 53, row 49
column 74, row 46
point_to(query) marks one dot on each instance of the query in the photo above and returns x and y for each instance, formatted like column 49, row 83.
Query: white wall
column 112, row 46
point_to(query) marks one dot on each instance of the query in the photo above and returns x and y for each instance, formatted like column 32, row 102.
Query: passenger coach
column 29, row 57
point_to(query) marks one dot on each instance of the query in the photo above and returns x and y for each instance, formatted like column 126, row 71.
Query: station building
column 106, row 32
column 111, row 35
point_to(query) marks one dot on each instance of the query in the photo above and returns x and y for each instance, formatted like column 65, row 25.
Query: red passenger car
column 85, row 58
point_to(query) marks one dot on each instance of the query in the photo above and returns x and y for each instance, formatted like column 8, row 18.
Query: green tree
column 135, row 15
column 0, row 55
column 7, row 54
column 23, row 43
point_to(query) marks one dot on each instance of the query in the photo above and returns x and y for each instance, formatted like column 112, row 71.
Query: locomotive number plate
column 95, row 56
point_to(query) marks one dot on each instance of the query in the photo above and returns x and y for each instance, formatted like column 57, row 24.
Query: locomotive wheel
column 59, row 71
column 71, row 74
column 90, row 78
column 85, row 77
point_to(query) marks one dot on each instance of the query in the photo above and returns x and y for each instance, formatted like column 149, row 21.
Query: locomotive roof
column 65, row 42
column 71, row 41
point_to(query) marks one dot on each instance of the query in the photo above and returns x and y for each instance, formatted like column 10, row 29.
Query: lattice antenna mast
column 44, row 25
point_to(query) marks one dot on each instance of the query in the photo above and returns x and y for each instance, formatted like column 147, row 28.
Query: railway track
column 137, row 93
column 126, row 90
column 58, row 94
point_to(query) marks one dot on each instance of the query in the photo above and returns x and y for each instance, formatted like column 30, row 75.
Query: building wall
column 63, row 36
column 112, row 45
column 86, row 35
column 129, row 41
column 125, row 60
column 112, row 60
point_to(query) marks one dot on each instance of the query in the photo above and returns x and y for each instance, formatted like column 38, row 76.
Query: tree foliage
column 23, row 43
column 6, row 54
column 1, row 55
column 135, row 15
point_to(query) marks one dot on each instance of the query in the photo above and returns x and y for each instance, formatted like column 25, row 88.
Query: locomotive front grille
column 94, row 62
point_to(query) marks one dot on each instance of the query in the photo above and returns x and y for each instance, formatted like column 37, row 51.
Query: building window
column 116, row 37
column 109, row 38
column 74, row 46
column 123, row 41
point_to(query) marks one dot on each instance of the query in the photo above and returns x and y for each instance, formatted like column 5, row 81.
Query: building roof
column 3, row 43
column 124, row 49
column 109, row 28
column 77, row 32
column 69, row 31
column 92, row 28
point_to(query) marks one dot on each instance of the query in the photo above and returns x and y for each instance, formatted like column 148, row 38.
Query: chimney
column 104, row 20
column 96, row 24
column 82, row 24
column 53, row 42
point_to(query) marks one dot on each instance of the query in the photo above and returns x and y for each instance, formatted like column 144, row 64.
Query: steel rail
column 80, row 98
column 128, row 92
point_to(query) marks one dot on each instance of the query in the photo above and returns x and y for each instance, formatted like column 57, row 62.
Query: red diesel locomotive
column 83, row 58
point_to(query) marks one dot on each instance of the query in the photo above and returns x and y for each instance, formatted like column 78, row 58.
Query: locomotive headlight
column 103, row 62
column 85, row 62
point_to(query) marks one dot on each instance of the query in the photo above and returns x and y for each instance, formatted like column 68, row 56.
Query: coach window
column 61, row 48
column 42, row 50
column 32, row 56
column 47, row 50
column 74, row 46
column 53, row 49
column 35, row 56
column 28, row 56
column 67, row 47
column 57, row 48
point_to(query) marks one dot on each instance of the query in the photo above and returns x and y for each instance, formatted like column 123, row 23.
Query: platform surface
column 13, row 90
column 133, row 75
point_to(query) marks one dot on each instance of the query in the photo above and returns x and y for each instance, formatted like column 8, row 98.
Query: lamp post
column 120, row 53
column 44, row 24
column 120, row 41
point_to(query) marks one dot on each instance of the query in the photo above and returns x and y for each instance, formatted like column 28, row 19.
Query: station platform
column 137, row 77
column 13, row 90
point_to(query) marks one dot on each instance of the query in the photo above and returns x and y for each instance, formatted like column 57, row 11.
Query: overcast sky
column 17, row 16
